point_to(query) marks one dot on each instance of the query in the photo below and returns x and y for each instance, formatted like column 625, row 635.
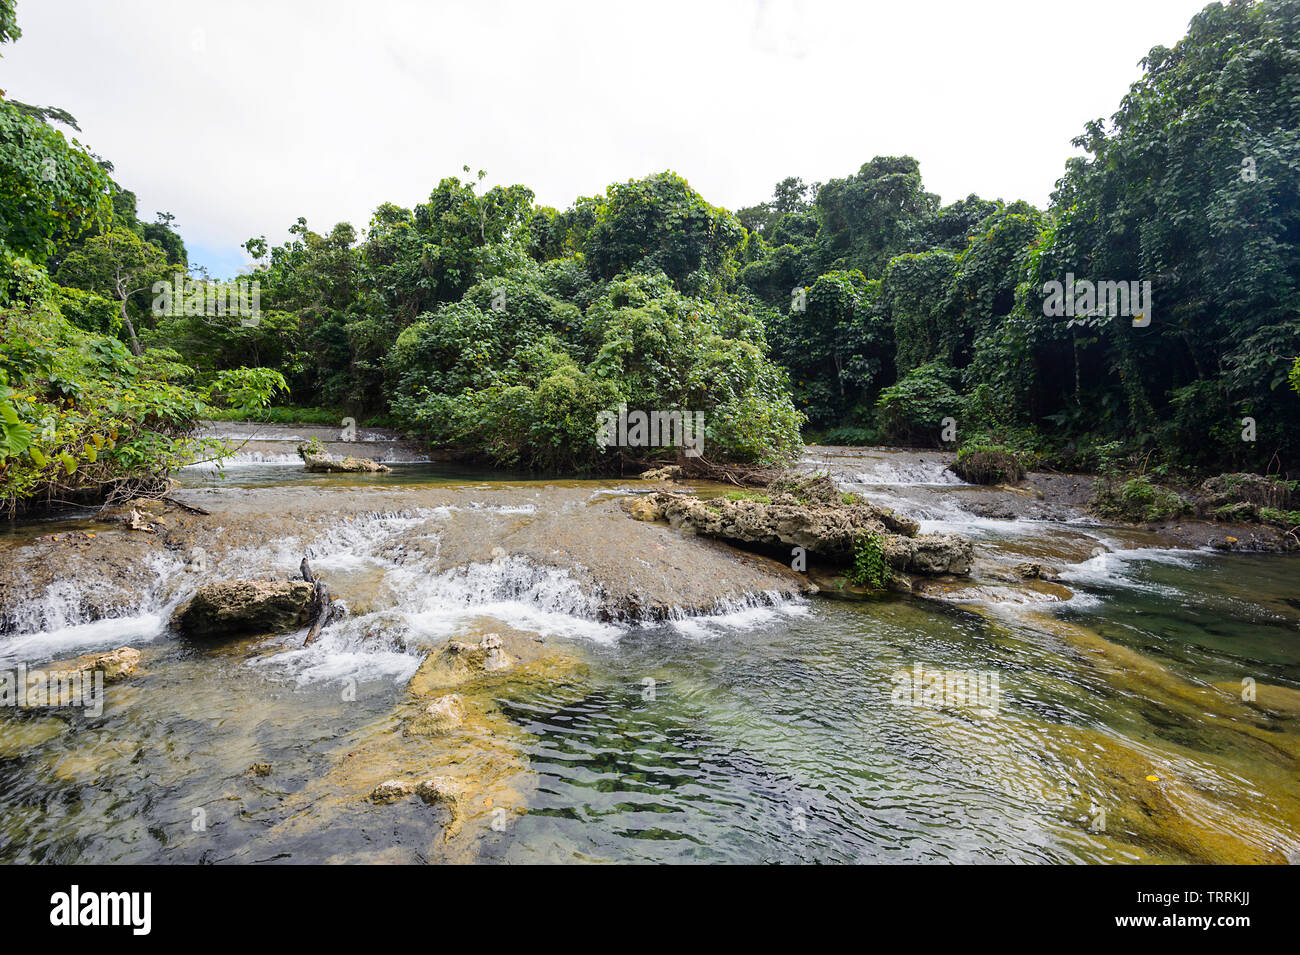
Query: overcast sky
column 241, row 115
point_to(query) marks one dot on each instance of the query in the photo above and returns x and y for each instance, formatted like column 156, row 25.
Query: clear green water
column 770, row 736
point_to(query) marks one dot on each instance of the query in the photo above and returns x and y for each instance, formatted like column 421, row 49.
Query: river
column 1118, row 725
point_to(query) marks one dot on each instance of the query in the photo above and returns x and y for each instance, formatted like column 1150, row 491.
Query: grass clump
column 988, row 464
column 748, row 496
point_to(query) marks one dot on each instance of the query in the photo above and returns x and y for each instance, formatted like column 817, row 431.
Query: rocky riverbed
column 525, row 670
column 621, row 567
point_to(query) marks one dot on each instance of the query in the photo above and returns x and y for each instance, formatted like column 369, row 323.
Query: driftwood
column 741, row 475
column 192, row 508
column 701, row 469
column 324, row 601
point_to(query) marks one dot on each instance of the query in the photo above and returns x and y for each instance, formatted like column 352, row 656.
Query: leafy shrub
column 913, row 410
column 246, row 390
column 1287, row 520
column 849, row 435
column 526, row 390
column 1138, row 500
column 869, row 568
column 81, row 416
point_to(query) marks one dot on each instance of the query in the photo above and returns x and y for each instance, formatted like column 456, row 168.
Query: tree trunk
column 120, row 281
column 126, row 320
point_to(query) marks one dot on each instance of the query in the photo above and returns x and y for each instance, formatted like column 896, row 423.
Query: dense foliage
column 82, row 415
column 859, row 309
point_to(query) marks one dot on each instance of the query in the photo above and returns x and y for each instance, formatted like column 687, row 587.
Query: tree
column 661, row 224
column 836, row 344
column 790, row 195
column 1194, row 185
column 869, row 217
column 50, row 190
column 119, row 264
column 8, row 22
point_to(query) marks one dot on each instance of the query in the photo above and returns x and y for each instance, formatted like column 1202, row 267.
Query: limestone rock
column 438, row 789
column 1028, row 570
column 459, row 663
column 246, row 606
column 77, row 682
column 669, row 472
column 812, row 513
column 390, row 791
column 116, row 664
column 643, row 509
column 1226, row 490
column 440, row 717
column 486, row 655
column 327, row 464
column 444, row 791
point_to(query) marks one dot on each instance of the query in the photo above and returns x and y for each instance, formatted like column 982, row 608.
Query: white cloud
column 241, row 116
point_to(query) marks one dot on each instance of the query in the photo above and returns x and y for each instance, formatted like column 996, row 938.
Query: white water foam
column 108, row 633
column 745, row 613
column 57, row 624
column 522, row 595
column 946, row 515
column 243, row 459
column 415, row 607
column 910, row 474
column 422, row 606
column 1122, row 568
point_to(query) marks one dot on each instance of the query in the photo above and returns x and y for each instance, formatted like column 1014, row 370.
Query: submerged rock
column 116, row 664
column 435, row 791
column 1283, row 701
column 460, row 662
column 440, row 717
column 476, row 777
column 390, row 790
column 247, row 606
column 22, row 736
column 75, row 682
column 444, row 791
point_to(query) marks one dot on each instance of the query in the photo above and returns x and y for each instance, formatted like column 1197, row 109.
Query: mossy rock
column 988, row 464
